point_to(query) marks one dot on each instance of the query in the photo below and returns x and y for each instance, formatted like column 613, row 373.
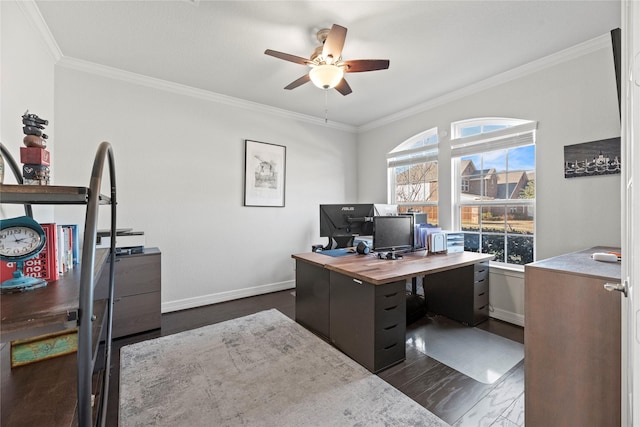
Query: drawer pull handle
column 359, row 282
column 391, row 308
column 391, row 295
column 391, row 346
column 482, row 308
column 480, row 281
column 390, row 327
column 481, row 294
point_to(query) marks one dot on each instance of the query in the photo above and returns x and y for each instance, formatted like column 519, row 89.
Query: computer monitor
column 341, row 223
column 393, row 233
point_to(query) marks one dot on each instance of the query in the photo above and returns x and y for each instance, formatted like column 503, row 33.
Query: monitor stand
column 342, row 241
column 389, row 255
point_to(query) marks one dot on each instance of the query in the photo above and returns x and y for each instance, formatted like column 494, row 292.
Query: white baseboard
column 186, row 303
column 183, row 304
column 507, row 316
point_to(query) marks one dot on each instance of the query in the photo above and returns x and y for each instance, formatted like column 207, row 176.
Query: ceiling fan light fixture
column 326, row 76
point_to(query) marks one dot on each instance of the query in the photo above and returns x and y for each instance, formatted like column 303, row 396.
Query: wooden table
column 357, row 302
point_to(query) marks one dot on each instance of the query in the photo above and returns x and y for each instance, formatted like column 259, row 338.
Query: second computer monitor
column 393, row 233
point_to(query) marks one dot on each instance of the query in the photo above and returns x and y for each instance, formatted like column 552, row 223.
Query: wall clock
column 21, row 239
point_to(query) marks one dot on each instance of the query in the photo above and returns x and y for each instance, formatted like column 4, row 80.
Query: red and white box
column 34, row 156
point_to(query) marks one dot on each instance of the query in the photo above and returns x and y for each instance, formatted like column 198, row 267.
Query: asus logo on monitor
column 347, row 208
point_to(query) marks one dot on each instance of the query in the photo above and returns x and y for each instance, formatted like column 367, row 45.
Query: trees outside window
column 494, row 194
column 413, row 175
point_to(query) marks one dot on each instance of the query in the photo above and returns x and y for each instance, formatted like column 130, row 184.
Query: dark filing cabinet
column 312, row 298
column 367, row 322
column 137, row 299
column 461, row 294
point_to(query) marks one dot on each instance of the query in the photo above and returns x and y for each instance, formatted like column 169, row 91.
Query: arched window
column 413, row 175
column 493, row 164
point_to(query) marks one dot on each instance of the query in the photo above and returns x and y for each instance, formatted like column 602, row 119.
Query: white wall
column 179, row 157
column 180, row 168
column 573, row 97
column 26, row 82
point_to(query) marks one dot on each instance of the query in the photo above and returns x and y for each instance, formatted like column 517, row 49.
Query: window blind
column 407, row 159
column 515, row 136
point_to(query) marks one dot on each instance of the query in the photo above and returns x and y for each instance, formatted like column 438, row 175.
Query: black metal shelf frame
column 28, row 195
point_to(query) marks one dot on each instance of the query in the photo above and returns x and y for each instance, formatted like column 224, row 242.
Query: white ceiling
column 435, row 47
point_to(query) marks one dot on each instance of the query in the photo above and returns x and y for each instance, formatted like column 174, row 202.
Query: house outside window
column 494, row 187
column 413, row 175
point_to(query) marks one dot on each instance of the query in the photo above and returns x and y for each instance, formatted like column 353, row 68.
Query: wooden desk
column 357, row 302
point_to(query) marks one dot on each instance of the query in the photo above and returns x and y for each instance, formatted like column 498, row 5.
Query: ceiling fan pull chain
column 326, row 106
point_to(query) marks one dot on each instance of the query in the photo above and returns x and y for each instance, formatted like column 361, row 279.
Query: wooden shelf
column 47, row 195
column 46, row 309
column 43, row 393
column 59, row 391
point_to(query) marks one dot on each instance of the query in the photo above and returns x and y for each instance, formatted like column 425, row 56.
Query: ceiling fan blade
column 343, row 87
column 335, row 42
column 287, row 57
column 360, row 65
column 294, row 84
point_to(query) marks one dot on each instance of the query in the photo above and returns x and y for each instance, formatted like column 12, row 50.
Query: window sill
column 506, row 267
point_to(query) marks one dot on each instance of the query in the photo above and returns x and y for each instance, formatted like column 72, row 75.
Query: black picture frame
column 595, row 158
column 264, row 174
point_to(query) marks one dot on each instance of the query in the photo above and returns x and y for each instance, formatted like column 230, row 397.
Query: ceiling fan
column 327, row 67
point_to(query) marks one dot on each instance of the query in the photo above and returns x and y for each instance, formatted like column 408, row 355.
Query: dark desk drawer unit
column 137, row 299
column 461, row 294
column 367, row 322
column 312, row 298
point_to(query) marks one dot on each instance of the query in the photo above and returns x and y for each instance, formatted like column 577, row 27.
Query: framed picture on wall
column 593, row 158
column 264, row 174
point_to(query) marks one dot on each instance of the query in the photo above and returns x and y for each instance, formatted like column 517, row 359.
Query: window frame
column 409, row 153
column 516, row 133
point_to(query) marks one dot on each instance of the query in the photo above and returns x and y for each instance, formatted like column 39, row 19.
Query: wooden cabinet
column 44, row 392
column 367, row 321
column 572, row 342
column 137, row 294
column 461, row 294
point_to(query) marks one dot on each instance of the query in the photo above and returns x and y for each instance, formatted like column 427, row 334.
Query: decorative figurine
column 34, row 157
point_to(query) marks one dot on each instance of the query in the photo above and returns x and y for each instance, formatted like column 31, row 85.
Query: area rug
column 259, row 370
column 474, row 352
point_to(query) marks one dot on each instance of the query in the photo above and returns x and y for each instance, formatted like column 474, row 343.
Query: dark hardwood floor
column 454, row 397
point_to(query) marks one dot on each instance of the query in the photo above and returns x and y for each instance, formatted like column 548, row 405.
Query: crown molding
column 164, row 85
column 565, row 55
column 31, row 11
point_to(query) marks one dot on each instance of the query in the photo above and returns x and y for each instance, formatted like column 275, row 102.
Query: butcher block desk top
column 378, row 271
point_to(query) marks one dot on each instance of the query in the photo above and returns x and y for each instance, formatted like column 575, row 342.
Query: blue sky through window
column 520, row 158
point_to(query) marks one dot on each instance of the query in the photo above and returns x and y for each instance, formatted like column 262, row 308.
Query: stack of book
column 34, row 157
column 68, row 247
column 59, row 255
